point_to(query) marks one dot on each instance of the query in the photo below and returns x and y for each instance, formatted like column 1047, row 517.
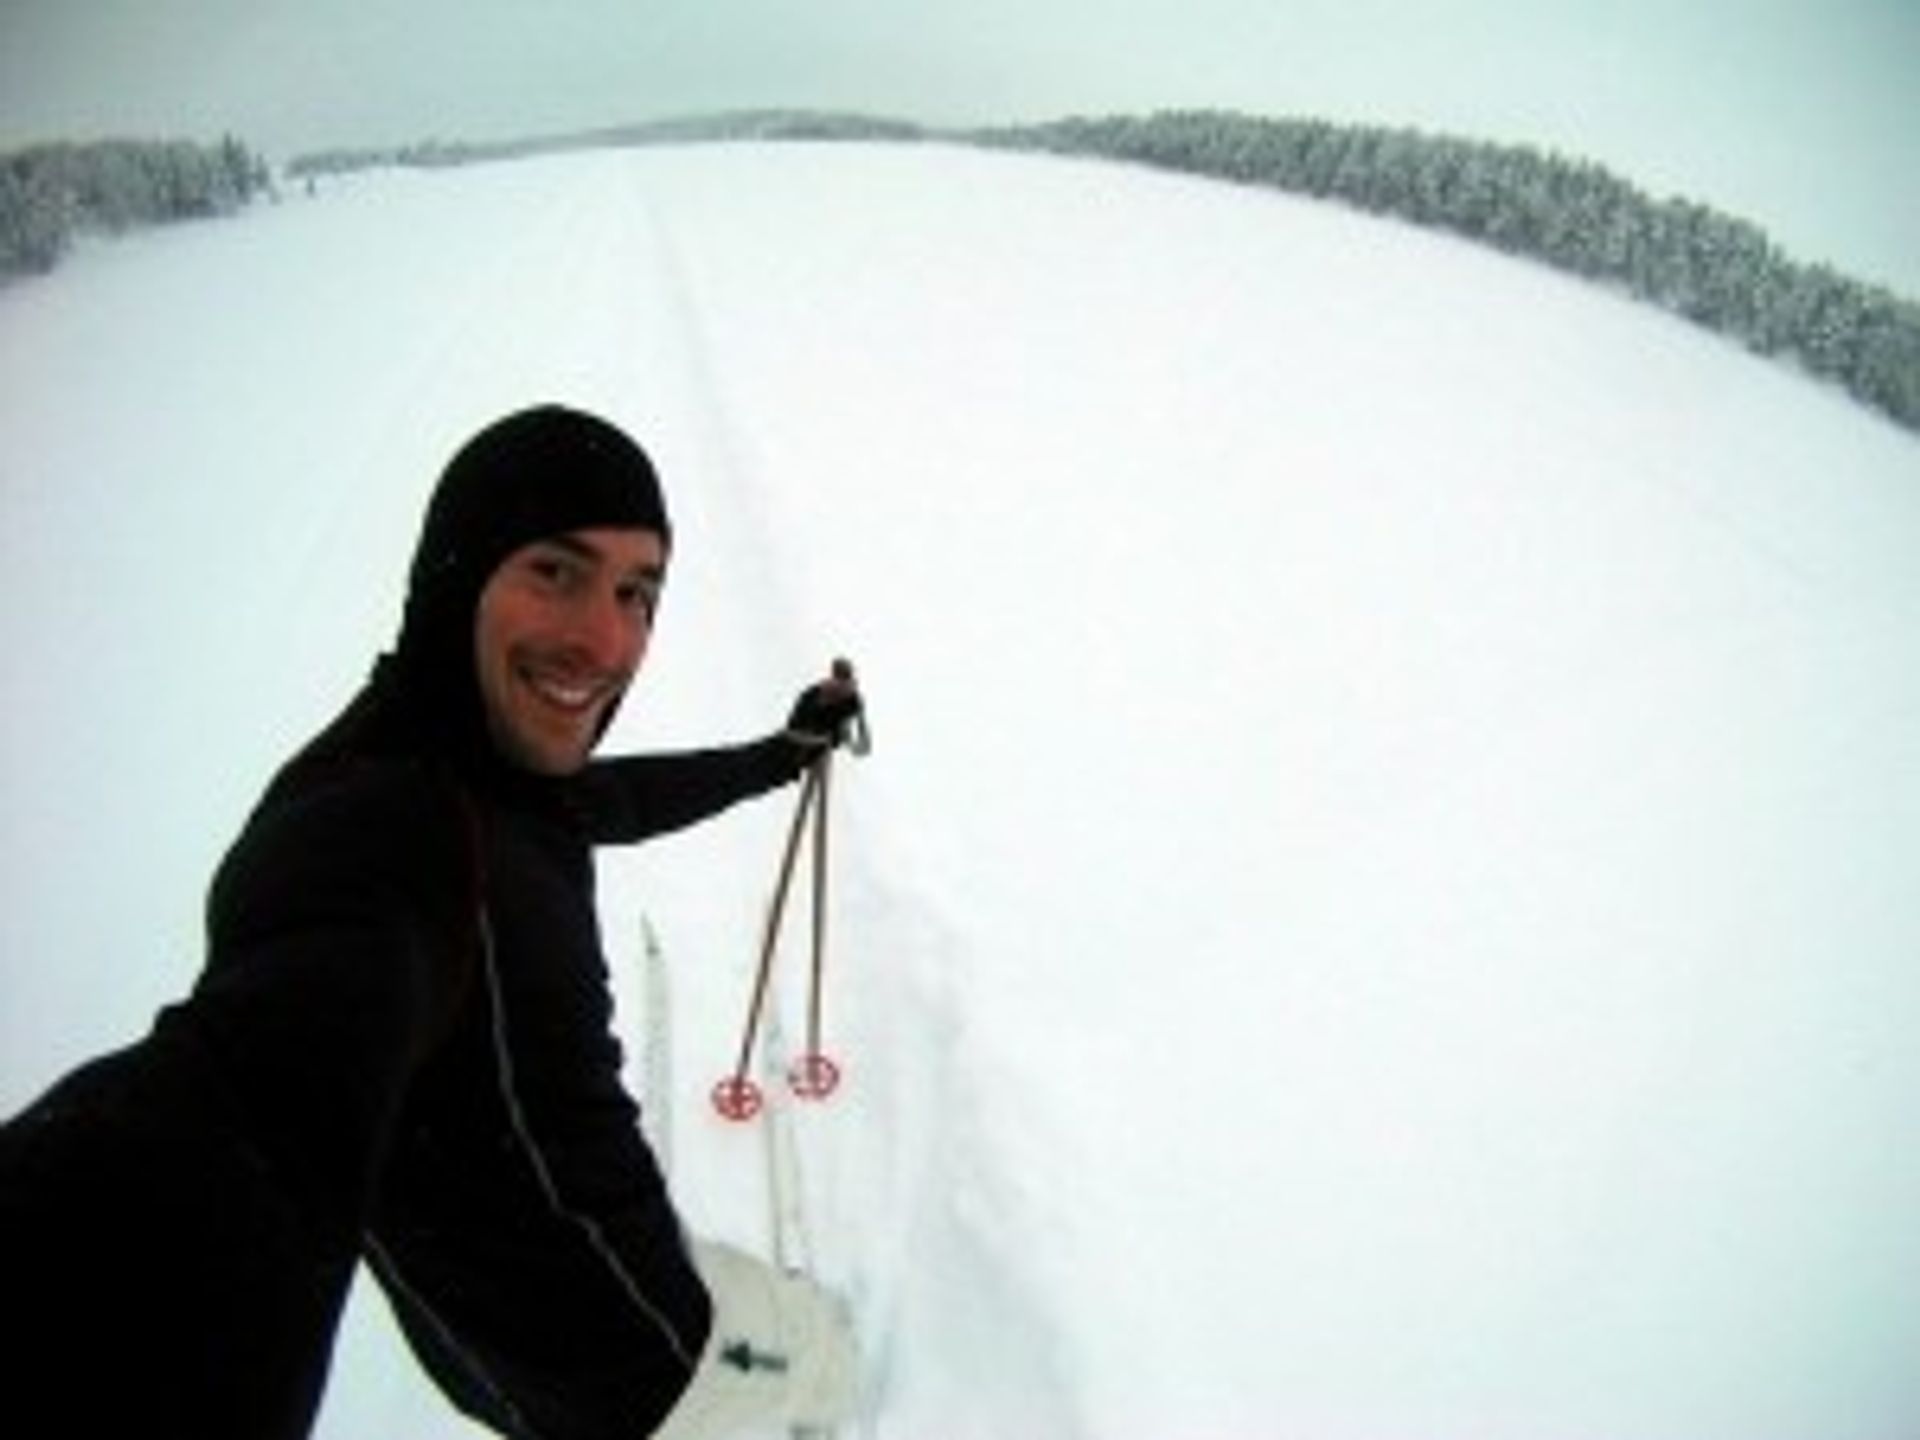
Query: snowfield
column 1383, row 905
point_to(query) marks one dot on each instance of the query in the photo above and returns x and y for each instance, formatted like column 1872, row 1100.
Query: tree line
column 1718, row 271
column 51, row 193
column 677, row 130
column 1713, row 269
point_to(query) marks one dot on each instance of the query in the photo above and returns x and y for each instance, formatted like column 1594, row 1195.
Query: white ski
column 790, row 1236
column 656, row 1110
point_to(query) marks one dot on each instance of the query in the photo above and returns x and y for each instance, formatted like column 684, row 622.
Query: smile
column 575, row 696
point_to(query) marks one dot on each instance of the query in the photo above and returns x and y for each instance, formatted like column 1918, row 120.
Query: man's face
column 561, row 628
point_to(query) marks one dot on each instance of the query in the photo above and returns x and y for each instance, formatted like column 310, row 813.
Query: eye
column 639, row 595
column 553, row 569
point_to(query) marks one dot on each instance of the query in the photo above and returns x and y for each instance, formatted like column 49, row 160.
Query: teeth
column 570, row 697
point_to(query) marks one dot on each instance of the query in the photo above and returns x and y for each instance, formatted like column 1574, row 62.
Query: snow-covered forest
column 1717, row 270
column 51, row 193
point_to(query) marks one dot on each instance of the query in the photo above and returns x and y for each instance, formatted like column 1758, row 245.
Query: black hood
column 535, row 474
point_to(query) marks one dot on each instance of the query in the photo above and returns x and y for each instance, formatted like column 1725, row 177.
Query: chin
column 541, row 755
column 558, row 763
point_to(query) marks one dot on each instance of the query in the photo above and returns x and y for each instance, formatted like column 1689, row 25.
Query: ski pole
column 814, row 1075
column 737, row 1097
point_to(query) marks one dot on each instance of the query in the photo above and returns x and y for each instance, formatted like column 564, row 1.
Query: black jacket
column 400, row 1047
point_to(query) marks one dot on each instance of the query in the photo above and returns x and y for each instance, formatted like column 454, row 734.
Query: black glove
column 828, row 712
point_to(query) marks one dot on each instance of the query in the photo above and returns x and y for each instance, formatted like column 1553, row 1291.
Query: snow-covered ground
column 1383, row 905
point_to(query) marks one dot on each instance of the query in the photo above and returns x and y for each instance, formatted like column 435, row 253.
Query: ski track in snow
column 1381, row 906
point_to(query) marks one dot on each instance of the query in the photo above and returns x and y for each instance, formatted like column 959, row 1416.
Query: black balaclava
column 535, row 474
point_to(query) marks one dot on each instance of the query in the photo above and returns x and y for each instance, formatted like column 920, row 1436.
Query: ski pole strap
column 859, row 737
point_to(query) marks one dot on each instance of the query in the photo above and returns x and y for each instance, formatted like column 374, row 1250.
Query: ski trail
column 719, row 497
column 911, row 1218
column 908, row 1212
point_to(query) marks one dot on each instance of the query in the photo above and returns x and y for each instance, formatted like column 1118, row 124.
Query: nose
column 609, row 634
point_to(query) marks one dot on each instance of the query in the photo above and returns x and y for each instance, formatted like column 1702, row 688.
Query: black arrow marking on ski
column 744, row 1358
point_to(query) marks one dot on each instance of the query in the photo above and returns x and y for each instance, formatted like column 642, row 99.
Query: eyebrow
column 584, row 549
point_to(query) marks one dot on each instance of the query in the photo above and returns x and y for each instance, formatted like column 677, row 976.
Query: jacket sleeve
column 630, row 798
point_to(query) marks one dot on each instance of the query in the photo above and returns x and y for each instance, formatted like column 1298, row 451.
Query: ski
column 790, row 1233
column 656, row 1113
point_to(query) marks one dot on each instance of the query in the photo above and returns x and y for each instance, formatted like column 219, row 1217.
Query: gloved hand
column 829, row 712
column 782, row 1351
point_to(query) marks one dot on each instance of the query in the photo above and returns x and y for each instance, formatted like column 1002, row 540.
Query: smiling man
column 562, row 627
column 400, row 1048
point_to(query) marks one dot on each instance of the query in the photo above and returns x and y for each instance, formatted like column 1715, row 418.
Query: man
column 400, row 1047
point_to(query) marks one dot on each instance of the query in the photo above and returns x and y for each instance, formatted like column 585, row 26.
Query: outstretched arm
column 630, row 798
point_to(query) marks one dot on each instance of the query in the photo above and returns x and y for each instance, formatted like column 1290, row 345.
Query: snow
column 1382, row 902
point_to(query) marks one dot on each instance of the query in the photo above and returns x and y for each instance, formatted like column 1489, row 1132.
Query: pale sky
column 1798, row 114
